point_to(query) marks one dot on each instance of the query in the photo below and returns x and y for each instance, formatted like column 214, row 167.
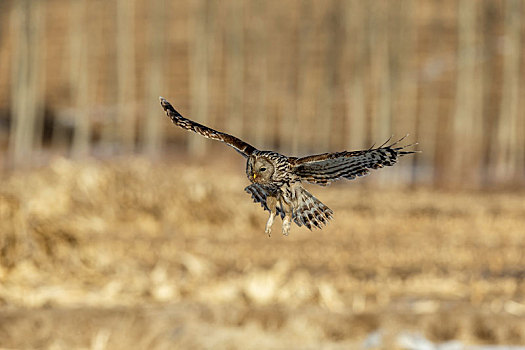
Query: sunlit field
column 137, row 254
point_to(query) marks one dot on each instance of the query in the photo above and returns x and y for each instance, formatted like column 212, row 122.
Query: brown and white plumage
column 277, row 179
column 240, row 146
column 322, row 169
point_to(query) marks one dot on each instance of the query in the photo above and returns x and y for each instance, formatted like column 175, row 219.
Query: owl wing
column 322, row 169
column 239, row 145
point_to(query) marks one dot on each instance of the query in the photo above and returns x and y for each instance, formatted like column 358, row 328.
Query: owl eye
column 263, row 169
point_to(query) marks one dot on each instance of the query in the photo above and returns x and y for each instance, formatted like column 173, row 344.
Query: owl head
column 259, row 169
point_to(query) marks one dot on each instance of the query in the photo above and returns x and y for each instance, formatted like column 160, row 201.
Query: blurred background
column 114, row 222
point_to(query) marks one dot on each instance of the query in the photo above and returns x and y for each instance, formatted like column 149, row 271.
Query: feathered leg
column 271, row 202
column 287, row 220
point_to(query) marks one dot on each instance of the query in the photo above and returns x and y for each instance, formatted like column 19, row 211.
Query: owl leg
column 287, row 220
column 271, row 202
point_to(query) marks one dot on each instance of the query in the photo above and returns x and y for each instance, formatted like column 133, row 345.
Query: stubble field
column 137, row 254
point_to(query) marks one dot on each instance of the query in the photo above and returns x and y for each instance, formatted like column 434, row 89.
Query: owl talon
column 286, row 225
column 269, row 224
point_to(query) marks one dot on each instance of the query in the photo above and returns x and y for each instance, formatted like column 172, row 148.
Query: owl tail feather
column 310, row 211
column 307, row 210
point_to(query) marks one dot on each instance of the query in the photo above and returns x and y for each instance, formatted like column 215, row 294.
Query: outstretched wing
column 322, row 169
column 240, row 146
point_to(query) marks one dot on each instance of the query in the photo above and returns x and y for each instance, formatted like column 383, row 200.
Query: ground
column 131, row 253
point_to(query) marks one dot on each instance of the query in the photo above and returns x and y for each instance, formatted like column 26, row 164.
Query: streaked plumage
column 277, row 179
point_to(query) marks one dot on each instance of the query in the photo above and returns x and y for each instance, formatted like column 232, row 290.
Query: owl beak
column 254, row 175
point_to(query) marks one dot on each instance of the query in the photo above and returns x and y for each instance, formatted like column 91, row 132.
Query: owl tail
column 310, row 211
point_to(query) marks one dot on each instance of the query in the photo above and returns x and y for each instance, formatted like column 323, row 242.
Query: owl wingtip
column 164, row 103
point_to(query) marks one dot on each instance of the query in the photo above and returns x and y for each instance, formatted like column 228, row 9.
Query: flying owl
column 277, row 179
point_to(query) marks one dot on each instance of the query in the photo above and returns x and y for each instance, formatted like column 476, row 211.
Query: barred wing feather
column 322, row 169
column 239, row 145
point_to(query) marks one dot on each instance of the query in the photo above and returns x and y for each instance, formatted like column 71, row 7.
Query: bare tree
column 307, row 80
column 79, row 45
column 27, row 21
column 466, row 126
column 508, row 152
column 126, row 73
column 39, row 63
column 332, row 53
column 152, row 139
column 235, row 66
column 298, row 124
column 199, row 71
column 355, row 92
column 380, row 61
column 405, row 81
column 380, row 74
column 261, row 61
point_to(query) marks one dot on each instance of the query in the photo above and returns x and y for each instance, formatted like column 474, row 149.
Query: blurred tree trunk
column 355, row 37
column 490, row 98
column 153, row 137
column 406, row 89
column 261, row 131
column 466, row 132
column 3, row 15
column 27, row 21
column 235, row 66
column 381, row 113
column 71, row 70
column 290, row 128
column 80, row 71
column 381, row 107
column 39, row 64
column 332, row 54
column 199, row 71
column 508, row 149
column 126, row 73
column 275, row 74
column 304, row 106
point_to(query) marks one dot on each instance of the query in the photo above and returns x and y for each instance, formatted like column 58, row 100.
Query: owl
column 276, row 180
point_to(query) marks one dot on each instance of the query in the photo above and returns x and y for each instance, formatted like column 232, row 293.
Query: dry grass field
column 165, row 255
